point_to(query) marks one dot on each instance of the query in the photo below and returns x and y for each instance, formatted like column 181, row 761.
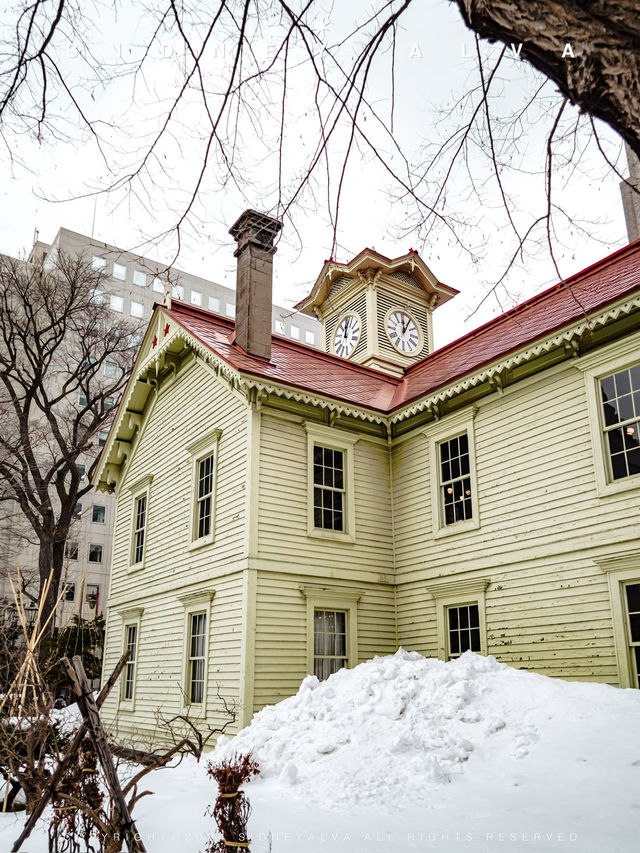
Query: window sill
column 195, row 711
column 332, row 535
column 201, row 543
column 458, row 527
column 615, row 487
column 136, row 567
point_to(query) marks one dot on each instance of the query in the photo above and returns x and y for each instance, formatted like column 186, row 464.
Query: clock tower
column 377, row 311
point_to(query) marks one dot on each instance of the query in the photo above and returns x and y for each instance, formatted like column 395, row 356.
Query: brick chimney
column 254, row 233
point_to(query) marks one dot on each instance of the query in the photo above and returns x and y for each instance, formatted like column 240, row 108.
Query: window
column 279, row 325
column 102, row 438
column 109, row 403
column 214, row 304
column 330, row 484
column 131, row 645
column 139, row 278
column 177, row 290
column 77, row 512
column 81, row 469
column 98, row 263
column 111, row 369
column 119, row 272
column 93, row 594
column 623, row 575
column 632, row 601
column 451, row 473
column 329, row 642
column 460, row 619
column 332, row 628
column 82, row 399
column 137, row 309
column 95, row 554
column 196, row 298
column 69, row 592
column 196, row 658
column 139, row 526
column 98, row 514
column 455, row 479
column 71, row 551
column 204, row 452
column 463, row 628
column 621, row 415
column 295, row 333
column 309, row 337
column 328, row 488
column 205, row 496
column 158, row 285
column 96, row 296
column 230, row 309
column 116, row 303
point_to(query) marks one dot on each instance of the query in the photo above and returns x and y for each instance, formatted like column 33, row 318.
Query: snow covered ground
column 405, row 754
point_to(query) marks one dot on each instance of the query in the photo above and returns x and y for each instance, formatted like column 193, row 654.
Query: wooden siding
column 281, row 629
column 185, row 411
column 283, row 509
column 542, row 525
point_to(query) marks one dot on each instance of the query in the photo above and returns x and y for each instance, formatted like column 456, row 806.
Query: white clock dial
column 403, row 331
column 347, row 335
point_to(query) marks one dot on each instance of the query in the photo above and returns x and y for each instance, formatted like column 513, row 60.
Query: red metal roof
column 307, row 368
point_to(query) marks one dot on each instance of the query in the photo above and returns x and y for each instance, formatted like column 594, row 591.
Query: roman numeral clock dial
column 347, row 335
column 402, row 331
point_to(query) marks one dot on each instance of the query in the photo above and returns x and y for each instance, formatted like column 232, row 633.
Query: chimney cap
column 257, row 228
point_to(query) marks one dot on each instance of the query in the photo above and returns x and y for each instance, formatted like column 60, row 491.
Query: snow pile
column 396, row 728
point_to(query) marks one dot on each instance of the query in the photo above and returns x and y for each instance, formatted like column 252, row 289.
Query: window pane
column 139, row 278
column 214, row 304
column 633, row 597
column 196, row 298
column 116, row 303
column 137, row 309
column 98, row 514
column 119, row 272
column 158, row 285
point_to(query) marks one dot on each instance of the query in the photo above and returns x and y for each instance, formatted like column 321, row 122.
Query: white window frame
column 450, row 427
column 324, row 436
column 141, row 488
column 96, row 545
column 327, row 598
column 230, row 309
column 205, row 446
column 98, row 263
column 119, row 272
column 456, row 593
column 177, row 291
column 595, row 367
column 309, row 337
column 214, row 304
column 196, row 298
column 132, row 617
column 136, row 308
column 198, row 601
column 294, row 331
column 68, row 551
column 279, row 327
column 111, row 369
column 139, row 278
column 98, row 506
column 158, row 285
column 621, row 569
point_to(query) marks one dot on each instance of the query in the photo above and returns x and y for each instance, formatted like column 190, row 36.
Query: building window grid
column 328, row 488
column 329, row 642
column 197, row 656
column 621, row 409
column 632, row 600
column 204, row 513
column 130, row 666
column 455, row 479
column 139, row 529
column 463, row 627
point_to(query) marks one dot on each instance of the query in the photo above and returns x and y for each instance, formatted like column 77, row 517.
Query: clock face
column 403, row 331
column 347, row 335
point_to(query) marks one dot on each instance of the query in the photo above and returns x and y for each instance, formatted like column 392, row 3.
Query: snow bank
column 395, row 728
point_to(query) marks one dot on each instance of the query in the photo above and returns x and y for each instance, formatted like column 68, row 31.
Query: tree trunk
column 602, row 76
column 50, row 562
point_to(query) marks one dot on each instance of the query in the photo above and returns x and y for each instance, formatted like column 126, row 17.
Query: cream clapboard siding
column 283, row 510
column 193, row 406
column 281, row 629
column 542, row 524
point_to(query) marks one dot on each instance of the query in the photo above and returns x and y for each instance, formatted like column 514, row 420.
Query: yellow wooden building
column 284, row 511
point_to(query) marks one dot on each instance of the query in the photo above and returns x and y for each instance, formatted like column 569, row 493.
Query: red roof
column 294, row 364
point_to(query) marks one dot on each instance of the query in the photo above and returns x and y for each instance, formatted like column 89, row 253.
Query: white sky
column 431, row 67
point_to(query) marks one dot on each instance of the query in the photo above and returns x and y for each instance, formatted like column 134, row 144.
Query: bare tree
column 56, row 335
column 274, row 50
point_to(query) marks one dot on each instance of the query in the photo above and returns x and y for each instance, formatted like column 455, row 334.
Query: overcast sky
column 433, row 65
